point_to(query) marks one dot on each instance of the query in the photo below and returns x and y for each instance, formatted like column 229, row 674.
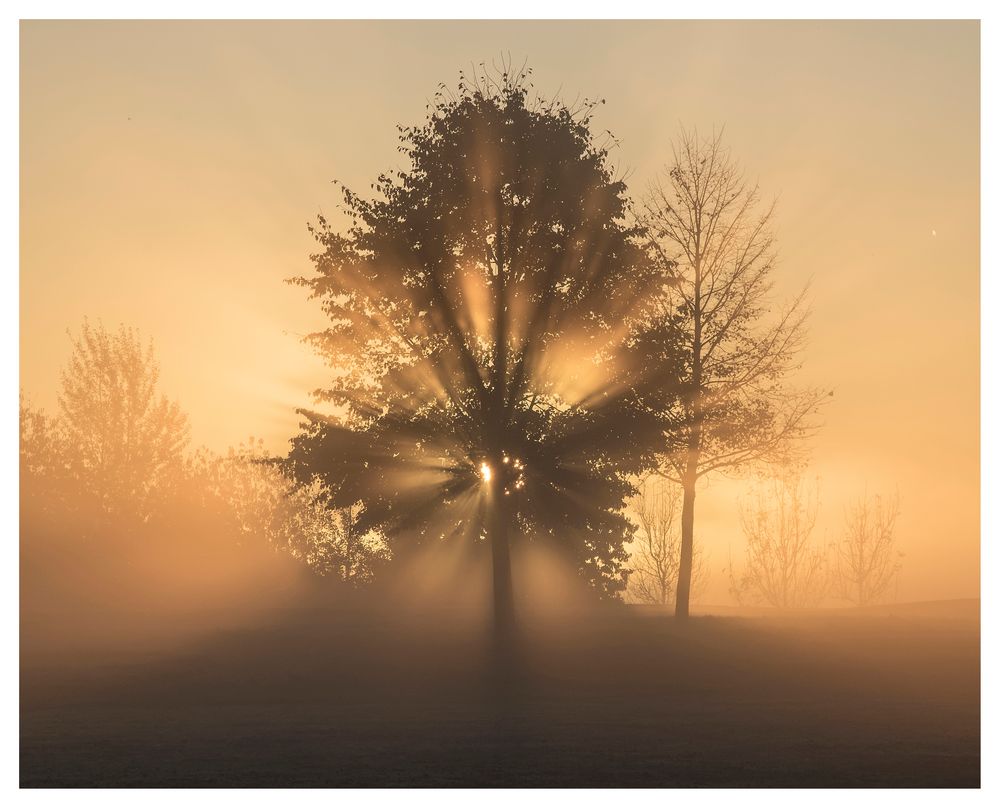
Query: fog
column 171, row 657
column 459, row 453
column 222, row 175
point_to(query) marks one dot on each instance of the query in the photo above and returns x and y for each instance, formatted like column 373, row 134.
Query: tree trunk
column 499, row 538
column 682, row 604
column 690, row 477
column 499, row 512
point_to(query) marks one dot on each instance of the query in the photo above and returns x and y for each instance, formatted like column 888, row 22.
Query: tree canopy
column 123, row 438
column 494, row 334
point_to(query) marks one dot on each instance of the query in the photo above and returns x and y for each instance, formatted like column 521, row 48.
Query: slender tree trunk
column 682, row 604
column 689, row 481
column 498, row 528
column 499, row 513
column 690, row 478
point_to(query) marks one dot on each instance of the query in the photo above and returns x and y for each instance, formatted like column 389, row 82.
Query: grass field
column 625, row 697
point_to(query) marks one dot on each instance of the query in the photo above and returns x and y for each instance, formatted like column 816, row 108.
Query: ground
column 621, row 697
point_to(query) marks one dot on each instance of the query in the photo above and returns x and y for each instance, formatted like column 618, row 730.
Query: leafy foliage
column 491, row 302
column 264, row 505
column 122, row 439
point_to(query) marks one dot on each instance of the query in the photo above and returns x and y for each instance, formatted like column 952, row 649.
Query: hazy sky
column 168, row 170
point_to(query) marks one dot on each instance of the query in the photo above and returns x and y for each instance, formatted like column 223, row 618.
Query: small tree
column 264, row 505
column 124, row 440
column 706, row 226
column 783, row 567
column 655, row 552
column 867, row 559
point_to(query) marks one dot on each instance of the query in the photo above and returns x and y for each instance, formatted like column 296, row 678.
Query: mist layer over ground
column 345, row 692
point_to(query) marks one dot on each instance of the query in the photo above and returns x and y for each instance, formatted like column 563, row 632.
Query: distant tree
column 783, row 567
column 124, row 440
column 37, row 441
column 867, row 559
column 331, row 542
column 705, row 225
column 655, row 556
column 44, row 483
column 264, row 505
column 490, row 329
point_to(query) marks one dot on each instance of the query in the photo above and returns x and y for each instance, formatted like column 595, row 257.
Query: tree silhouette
column 498, row 365
column 655, row 557
column 783, row 567
column 867, row 559
column 123, row 439
column 704, row 223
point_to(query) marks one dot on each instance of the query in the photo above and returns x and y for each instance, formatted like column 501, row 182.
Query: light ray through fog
column 222, row 177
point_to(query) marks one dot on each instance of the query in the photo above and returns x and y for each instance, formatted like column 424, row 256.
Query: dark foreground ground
column 624, row 698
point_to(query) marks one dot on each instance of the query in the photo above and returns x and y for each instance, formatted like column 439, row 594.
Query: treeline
column 119, row 513
column 784, row 564
column 517, row 343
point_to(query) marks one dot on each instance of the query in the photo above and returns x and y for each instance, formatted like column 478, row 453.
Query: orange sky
column 168, row 171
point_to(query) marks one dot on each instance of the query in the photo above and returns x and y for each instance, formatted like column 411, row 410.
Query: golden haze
column 168, row 171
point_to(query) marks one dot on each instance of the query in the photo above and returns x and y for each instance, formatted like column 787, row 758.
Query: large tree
column 498, row 368
column 705, row 223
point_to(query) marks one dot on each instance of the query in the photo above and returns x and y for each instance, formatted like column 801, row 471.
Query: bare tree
column 783, row 567
column 706, row 226
column 655, row 557
column 867, row 559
